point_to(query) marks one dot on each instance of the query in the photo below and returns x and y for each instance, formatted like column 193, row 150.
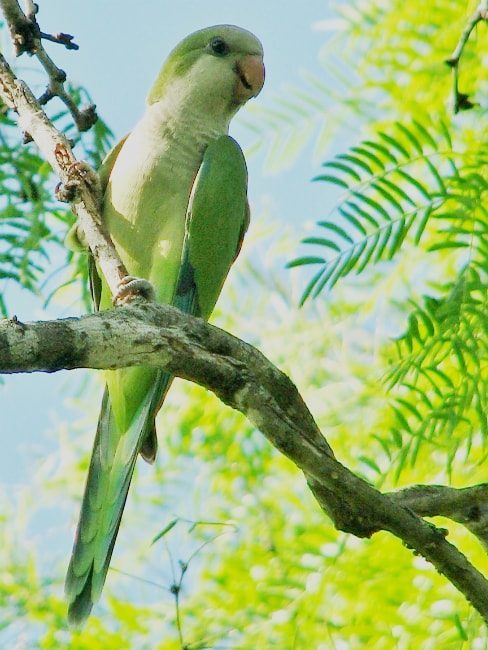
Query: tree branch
column 467, row 506
column 161, row 336
column 57, row 151
column 27, row 37
column 20, row 27
column 461, row 101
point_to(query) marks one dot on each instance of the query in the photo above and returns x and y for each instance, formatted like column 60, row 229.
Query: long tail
column 112, row 465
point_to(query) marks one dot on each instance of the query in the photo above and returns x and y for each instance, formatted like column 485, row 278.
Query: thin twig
column 31, row 9
column 27, row 37
column 467, row 506
column 139, row 579
column 61, row 39
column 177, row 585
column 21, row 28
column 175, row 590
column 461, row 101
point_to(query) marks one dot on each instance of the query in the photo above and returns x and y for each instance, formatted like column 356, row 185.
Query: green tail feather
column 112, row 465
column 149, row 447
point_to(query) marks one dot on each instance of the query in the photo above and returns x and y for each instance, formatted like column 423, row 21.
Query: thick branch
column 27, row 37
column 57, row 151
column 467, row 506
column 161, row 336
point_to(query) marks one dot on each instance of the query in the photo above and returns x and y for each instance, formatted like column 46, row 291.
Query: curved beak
column 250, row 72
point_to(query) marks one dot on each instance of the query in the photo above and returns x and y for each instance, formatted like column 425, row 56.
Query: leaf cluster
column 413, row 208
column 32, row 223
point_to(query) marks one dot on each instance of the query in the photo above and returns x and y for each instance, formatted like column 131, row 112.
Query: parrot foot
column 131, row 287
column 79, row 172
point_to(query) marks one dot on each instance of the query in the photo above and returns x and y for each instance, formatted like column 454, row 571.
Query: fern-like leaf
column 395, row 186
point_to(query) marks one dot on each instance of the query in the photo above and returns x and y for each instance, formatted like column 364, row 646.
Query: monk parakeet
column 175, row 204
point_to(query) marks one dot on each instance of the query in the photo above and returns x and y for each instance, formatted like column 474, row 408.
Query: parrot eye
column 219, row 46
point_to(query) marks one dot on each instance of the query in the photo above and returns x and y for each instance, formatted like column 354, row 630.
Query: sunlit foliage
column 222, row 544
column 33, row 223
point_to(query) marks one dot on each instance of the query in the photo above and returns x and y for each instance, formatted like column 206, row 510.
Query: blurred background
column 366, row 285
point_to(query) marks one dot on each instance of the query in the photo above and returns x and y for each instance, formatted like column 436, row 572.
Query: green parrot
column 175, row 205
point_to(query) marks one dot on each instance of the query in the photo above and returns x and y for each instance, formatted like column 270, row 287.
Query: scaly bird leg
column 131, row 287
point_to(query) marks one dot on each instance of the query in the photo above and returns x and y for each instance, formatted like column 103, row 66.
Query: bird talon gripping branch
column 66, row 192
column 131, row 288
column 79, row 172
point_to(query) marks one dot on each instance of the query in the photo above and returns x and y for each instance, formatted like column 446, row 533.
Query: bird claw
column 131, row 288
column 66, row 192
column 79, row 172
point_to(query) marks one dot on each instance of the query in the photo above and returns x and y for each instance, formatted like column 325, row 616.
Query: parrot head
column 216, row 69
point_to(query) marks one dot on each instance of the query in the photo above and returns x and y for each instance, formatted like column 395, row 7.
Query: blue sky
column 122, row 49
column 122, row 46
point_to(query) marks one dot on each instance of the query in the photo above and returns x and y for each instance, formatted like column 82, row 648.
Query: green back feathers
column 215, row 224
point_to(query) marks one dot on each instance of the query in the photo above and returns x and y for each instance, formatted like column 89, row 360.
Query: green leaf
column 394, row 187
column 342, row 268
column 310, row 286
column 371, row 464
column 445, row 133
column 372, row 203
column 413, row 181
column 411, row 408
column 331, row 179
column 329, row 269
column 402, row 419
column 362, row 213
column 425, row 134
column 336, row 229
column 302, row 261
column 399, row 233
column 320, row 241
column 422, row 224
column 460, row 628
column 382, row 242
column 397, row 437
column 362, row 151
column 410, row 136
column 342, row 167
column 426, row 320
column 394, row 144
column 384, row 445
column 388, row 197
column 382, row 149
column 366, row 254
column 165, row 530
column 436, row 175
column 356, row 160
column 353, row 221
column 448, row 244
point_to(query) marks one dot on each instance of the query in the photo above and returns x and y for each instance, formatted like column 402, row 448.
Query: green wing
column 109, row 162
column 217, row 217
column 216, row 222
